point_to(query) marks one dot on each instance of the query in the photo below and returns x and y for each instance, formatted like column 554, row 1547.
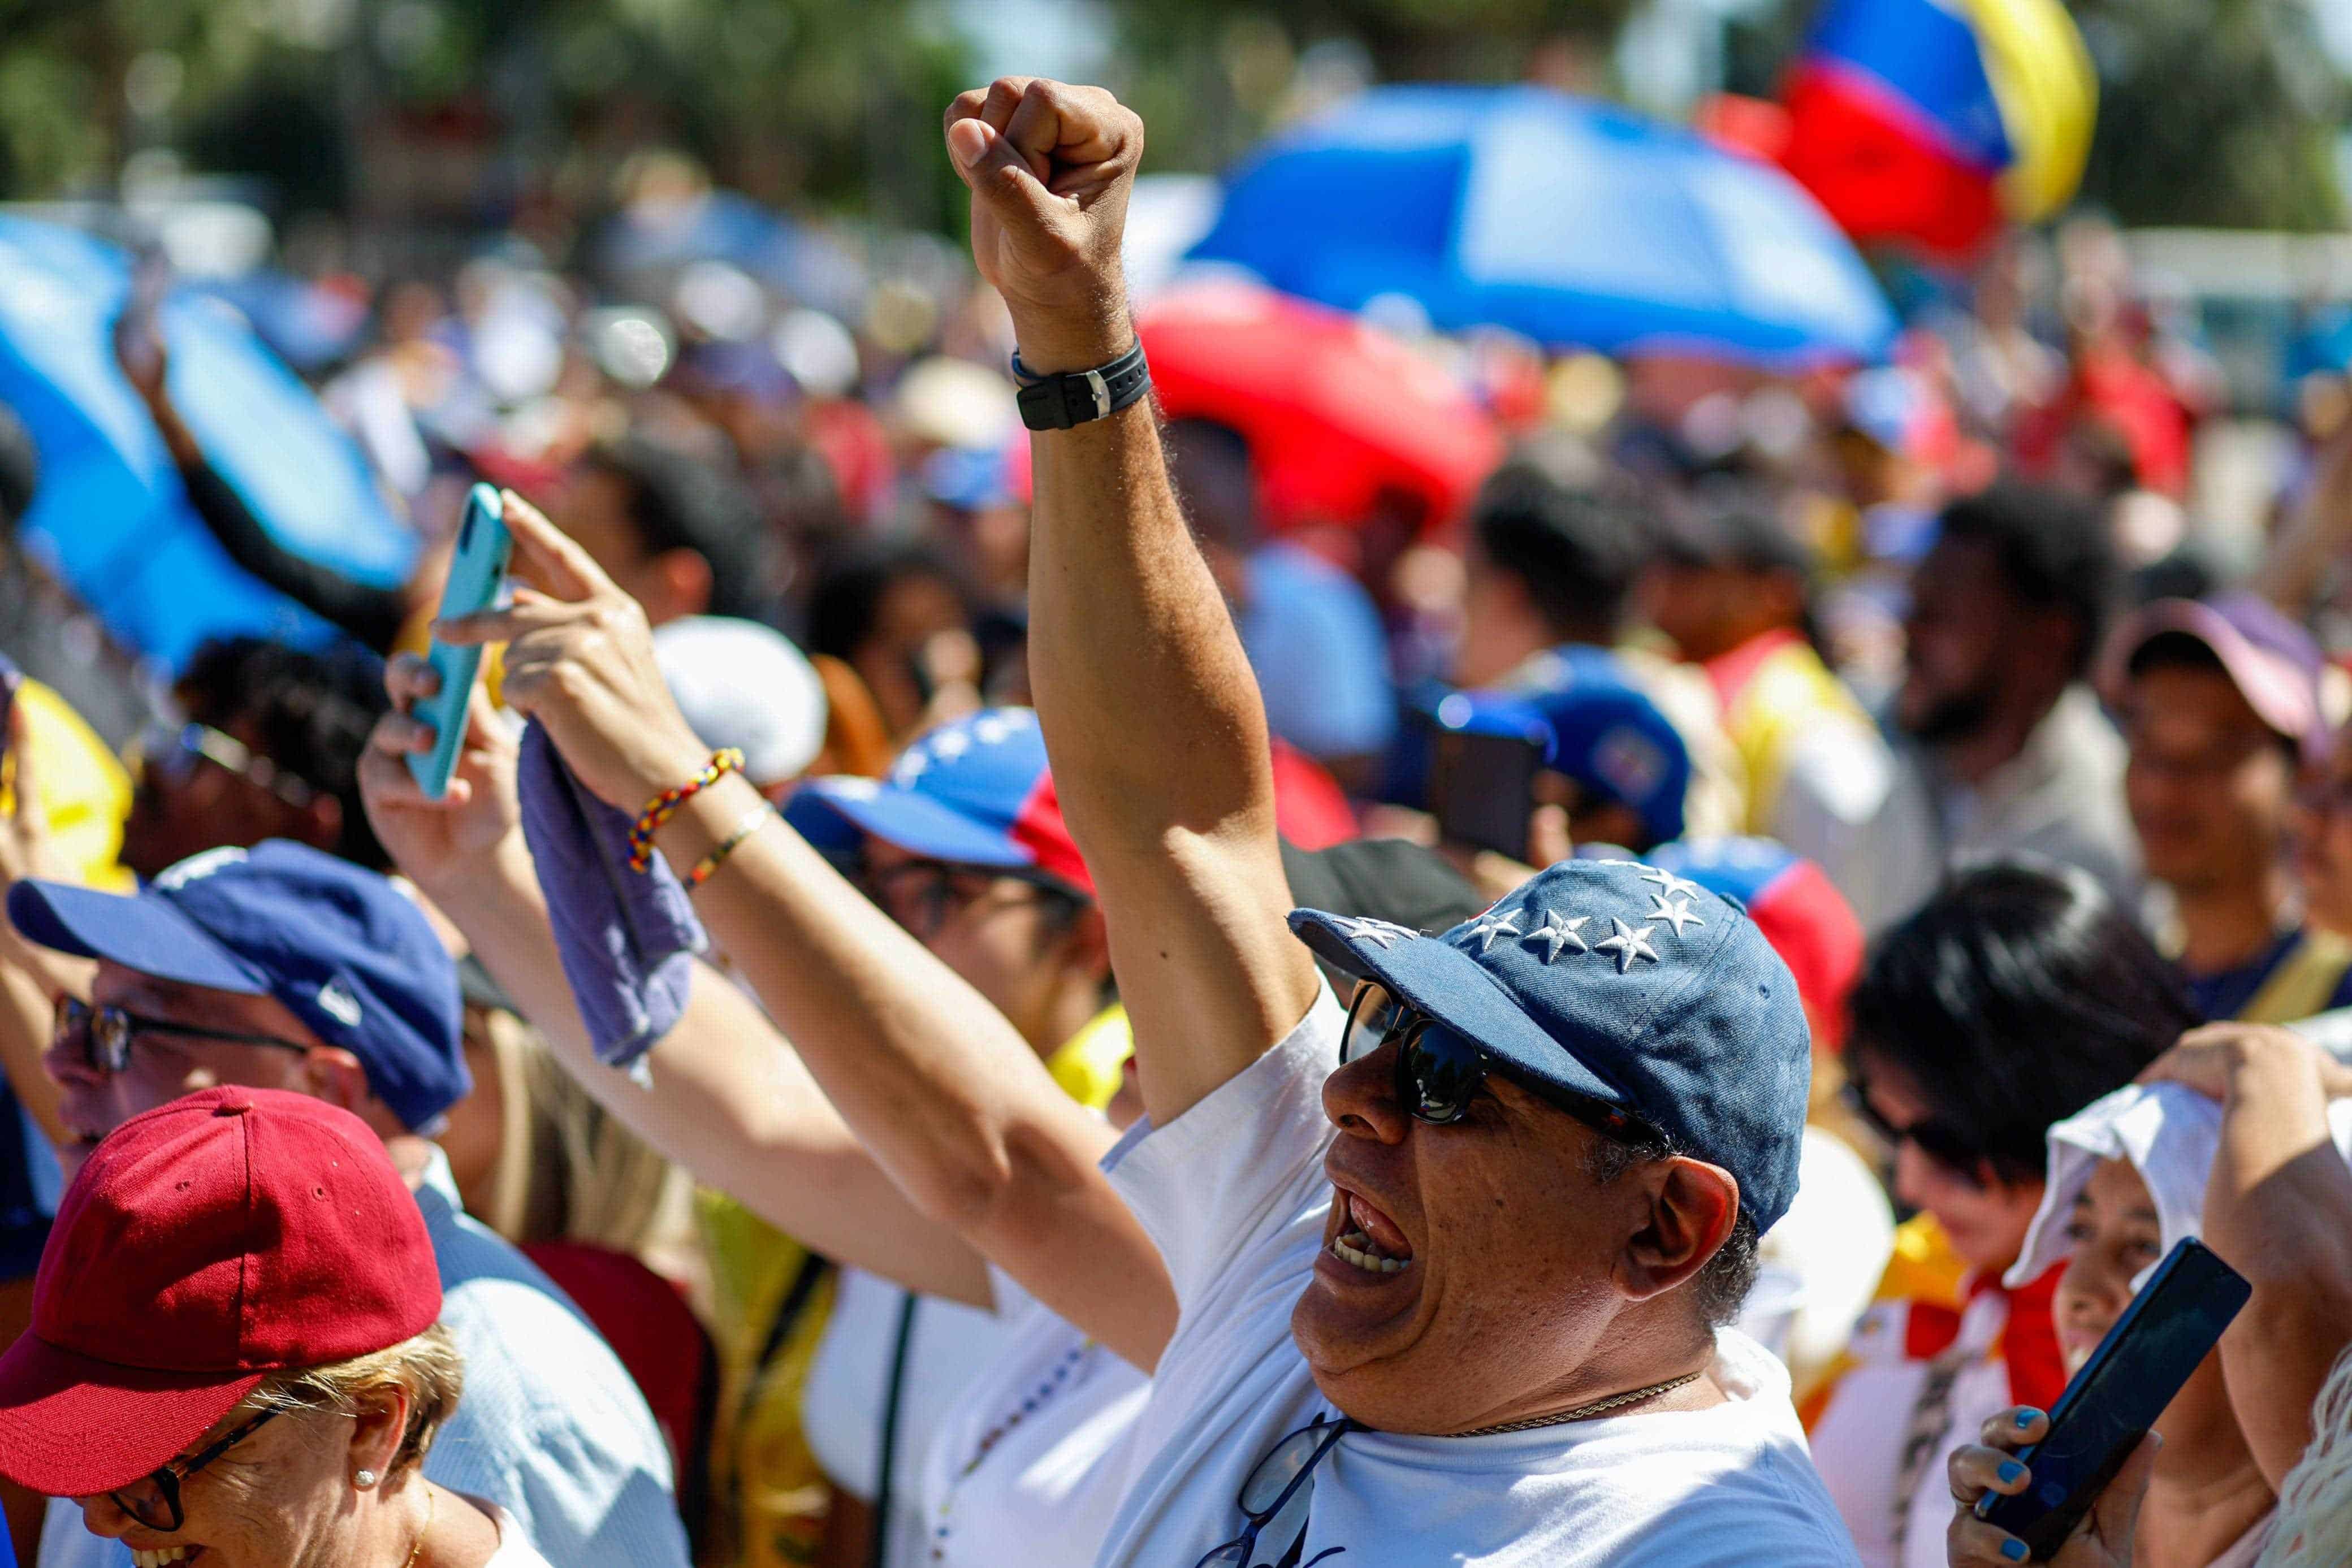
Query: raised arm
column 946, row 1098
column 1152, row 715
column 2278, row 1206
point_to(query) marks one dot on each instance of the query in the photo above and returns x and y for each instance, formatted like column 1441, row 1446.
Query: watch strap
column 1080, row 397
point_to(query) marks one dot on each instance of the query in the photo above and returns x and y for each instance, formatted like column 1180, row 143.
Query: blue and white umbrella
column 1578, row 225
column 109, row 513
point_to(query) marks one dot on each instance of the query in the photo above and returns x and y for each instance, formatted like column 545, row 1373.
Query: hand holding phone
column 2109, row 1406
column 478, row 581
column 1482, row 775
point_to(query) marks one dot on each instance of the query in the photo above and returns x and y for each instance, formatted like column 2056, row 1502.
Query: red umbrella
column 1338, row 414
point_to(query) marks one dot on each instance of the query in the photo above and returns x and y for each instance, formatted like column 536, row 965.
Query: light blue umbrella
column 110, row 514
column 1578, row 225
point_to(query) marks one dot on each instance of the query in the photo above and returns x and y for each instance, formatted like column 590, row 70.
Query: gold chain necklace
column 1586, row 1412
column 431, row 1507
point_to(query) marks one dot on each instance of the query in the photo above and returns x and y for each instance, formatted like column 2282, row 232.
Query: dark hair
column 2015, row 997
column 681, row 502
column 2052, row 551
column 1723, row 1283
column 1577, row 539
column 847, row 599
column 310, row 714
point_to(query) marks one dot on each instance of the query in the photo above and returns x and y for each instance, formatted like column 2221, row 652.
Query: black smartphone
column 1482, row 784
column 2170, row 1326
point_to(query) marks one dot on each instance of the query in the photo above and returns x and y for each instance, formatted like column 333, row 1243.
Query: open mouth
column 1370, row 1240
column 157, row 1556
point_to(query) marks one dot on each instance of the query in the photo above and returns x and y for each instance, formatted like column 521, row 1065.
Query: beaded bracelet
column 754, row 821
column 664, row 806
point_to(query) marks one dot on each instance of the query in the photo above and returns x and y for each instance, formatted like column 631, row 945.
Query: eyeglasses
column 175, row 753
column 1278, row 1493
column 1439, row 1073
column 1949, row 1147
column 155, row 1500
column 923, row 895
column 107, row 1034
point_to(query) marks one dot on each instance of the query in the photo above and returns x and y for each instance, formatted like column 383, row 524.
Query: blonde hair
column 429, row 1369
column 2313, row 1527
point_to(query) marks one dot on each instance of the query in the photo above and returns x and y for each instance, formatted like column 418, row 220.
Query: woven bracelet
column 664, row 806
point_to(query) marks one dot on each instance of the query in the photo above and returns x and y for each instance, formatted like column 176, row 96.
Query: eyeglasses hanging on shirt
column 1277, row 1497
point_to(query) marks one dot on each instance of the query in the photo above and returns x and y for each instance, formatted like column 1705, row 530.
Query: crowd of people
column 971, row 998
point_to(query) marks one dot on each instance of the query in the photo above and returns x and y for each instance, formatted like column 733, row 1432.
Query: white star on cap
column 990, row 729
column 1660, row 876
column 1559, row 932
column 1677, row 915
column 910, row 767
column 1489, row 926
column 1628, row 945
column 1382, row 932
column 952, row 745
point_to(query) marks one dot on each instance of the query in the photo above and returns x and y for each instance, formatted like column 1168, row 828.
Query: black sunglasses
column 1439, row 1073
column 107, row 1033
column 1279, row 1488
column 1948, row 1146
column 922, row 896
column 155, row 1500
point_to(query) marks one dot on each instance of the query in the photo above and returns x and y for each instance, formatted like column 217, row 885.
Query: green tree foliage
column 2215, row 113
column 792, row 100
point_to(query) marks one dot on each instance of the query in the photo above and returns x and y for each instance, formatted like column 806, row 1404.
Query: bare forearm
column 2279, row 1207
column 944, row 1092
column 728, row 1100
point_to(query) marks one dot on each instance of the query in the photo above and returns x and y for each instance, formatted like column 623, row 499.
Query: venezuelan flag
column 1934, row 121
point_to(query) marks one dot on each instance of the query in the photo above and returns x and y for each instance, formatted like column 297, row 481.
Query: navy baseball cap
column 1625, row 983
column 974, row 791
column 1606, row 734
column 344, row 950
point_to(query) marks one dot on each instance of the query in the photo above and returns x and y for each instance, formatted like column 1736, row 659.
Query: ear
column 1693, row 1208
column 685, row 577
column 378, row 1423
column 1088, row 942
column 333, row 1074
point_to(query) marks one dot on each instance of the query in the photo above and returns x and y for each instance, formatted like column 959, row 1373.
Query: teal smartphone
column 478, row 581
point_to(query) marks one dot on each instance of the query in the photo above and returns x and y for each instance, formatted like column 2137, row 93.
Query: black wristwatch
column 1075, row 397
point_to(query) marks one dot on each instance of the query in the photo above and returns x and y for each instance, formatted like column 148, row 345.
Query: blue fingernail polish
column 2013, row 1549
column 2012, row 1470
column 2027, row 1418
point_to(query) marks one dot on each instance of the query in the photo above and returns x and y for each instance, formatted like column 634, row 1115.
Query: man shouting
column 1461, row 1298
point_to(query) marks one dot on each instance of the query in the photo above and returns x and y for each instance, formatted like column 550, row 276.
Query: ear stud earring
column 365, row 1478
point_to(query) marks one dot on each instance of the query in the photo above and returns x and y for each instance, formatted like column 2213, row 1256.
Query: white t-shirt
column 849, row 1385
column 1234, row 1195
column 513, row 1552
column 1030, row 1465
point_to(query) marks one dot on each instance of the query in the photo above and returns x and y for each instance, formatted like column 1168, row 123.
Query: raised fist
column 1050, row 167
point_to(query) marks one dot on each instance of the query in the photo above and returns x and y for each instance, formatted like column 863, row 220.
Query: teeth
column 159, row 1556
column 1358, row 1249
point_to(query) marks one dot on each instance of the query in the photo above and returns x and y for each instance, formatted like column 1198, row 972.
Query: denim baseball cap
column 1626, row 983
column 974, row 792
column 343, row 949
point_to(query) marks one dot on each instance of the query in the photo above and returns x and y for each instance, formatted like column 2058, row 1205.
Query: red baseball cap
column 205, row 1244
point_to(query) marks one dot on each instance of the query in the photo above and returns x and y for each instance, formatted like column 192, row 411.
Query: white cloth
column 551, row 1425
column 515, row 1549
column 2169, row 1132
column 842, row 1402
column 1030, row 1463
column 1234, row 1194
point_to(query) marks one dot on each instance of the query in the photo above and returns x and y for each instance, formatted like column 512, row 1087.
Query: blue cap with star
column 1626, row 983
